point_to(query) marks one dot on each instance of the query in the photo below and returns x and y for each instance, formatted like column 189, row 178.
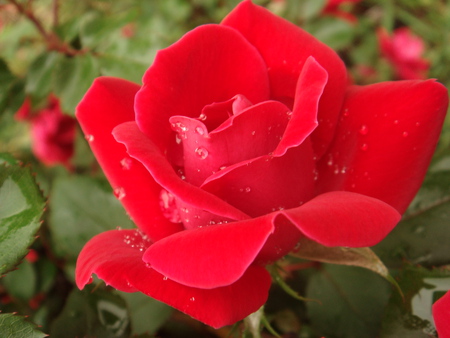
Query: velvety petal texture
column 244, row 138
column 116, row 257
column 285, row 49
column 441, row 315
column 385, row 140
column 108, row 103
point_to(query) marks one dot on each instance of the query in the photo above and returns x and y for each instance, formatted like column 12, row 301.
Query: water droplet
column 316, row 174
column 346, row 113
column 118, row 228
column 405, row 134
column 289, row 114
column 177, row 139
column 126, row 163
column 343, row 170
column 417, row 124
column 222, row 167
column 253, row 133
column 89, row 138
column 199, row 130
column 202, row 117
column 168, row 206
column 201, row 152
column 396, row 122
column 364, row 147
column 119, row 192
column 165, row 278
column 363, row 130
column 192, row 299
column 248, row 189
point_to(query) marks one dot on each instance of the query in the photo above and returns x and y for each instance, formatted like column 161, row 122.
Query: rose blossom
column 52, row 132
column 441, row 315
column 404, row 51
column 243, row 138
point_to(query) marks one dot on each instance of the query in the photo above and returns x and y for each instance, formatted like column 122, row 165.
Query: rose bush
column 245, row 137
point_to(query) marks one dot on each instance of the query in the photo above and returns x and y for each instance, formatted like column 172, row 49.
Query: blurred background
column 50, row 52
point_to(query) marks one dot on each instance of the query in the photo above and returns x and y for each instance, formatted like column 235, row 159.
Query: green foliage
column 21, row 208
column 82, row 208
column 12, row 326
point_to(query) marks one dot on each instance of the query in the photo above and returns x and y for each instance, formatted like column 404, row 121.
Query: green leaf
column 353, row 301
column 21, row 283
column 113, row 65
column 12, row 326
column 411, row 315
column 72, row 77
column 423, row 236
column 92, row 313
column 82, row 208
column 362, row 257
column 38, row 81
column 21, row 207
column 147, row 314
column 335, row 33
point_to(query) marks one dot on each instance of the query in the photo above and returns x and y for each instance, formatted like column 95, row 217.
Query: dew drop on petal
column 405, row 134
column 201, row 152
column 192, row 299
column 168, row 206
column 165, row 278
column 89, row 138
column 119, row 192
column 396, row 122
column 364, row 147
column 363, row 130
column 199, row 130
column 248, row 189
column 202, row 117
column 126, row 163
column 417, row 124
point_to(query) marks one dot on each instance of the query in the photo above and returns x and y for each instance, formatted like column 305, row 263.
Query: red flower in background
column 52, row 132
column 334, row 7
column 441, row 316
column 404, row 51
column 244, row 138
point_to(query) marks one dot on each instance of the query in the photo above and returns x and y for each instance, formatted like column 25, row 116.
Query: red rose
column 441, row 315
column 243, row 138
column 404, row 51
column 52, row 132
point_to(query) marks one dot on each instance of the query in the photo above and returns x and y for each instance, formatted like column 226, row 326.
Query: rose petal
column 259, row 127
column 140, row 147
column 344, row 219
column 211, row 63
column 111, row 255
column 385, row 140
column 121, row 266
column 441, row 315
column 108, row 103
column 310, row 86
column 207, row 257
column 285, row 48
column 267, row 183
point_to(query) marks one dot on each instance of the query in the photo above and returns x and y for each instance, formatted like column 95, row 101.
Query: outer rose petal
column 441, row 315
column 120, row 265
column 344, row 219
column 285, row 48
column 139, row 146
column 212, row 256
column 211, row 63
column 108, row 103
column 385, row 140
